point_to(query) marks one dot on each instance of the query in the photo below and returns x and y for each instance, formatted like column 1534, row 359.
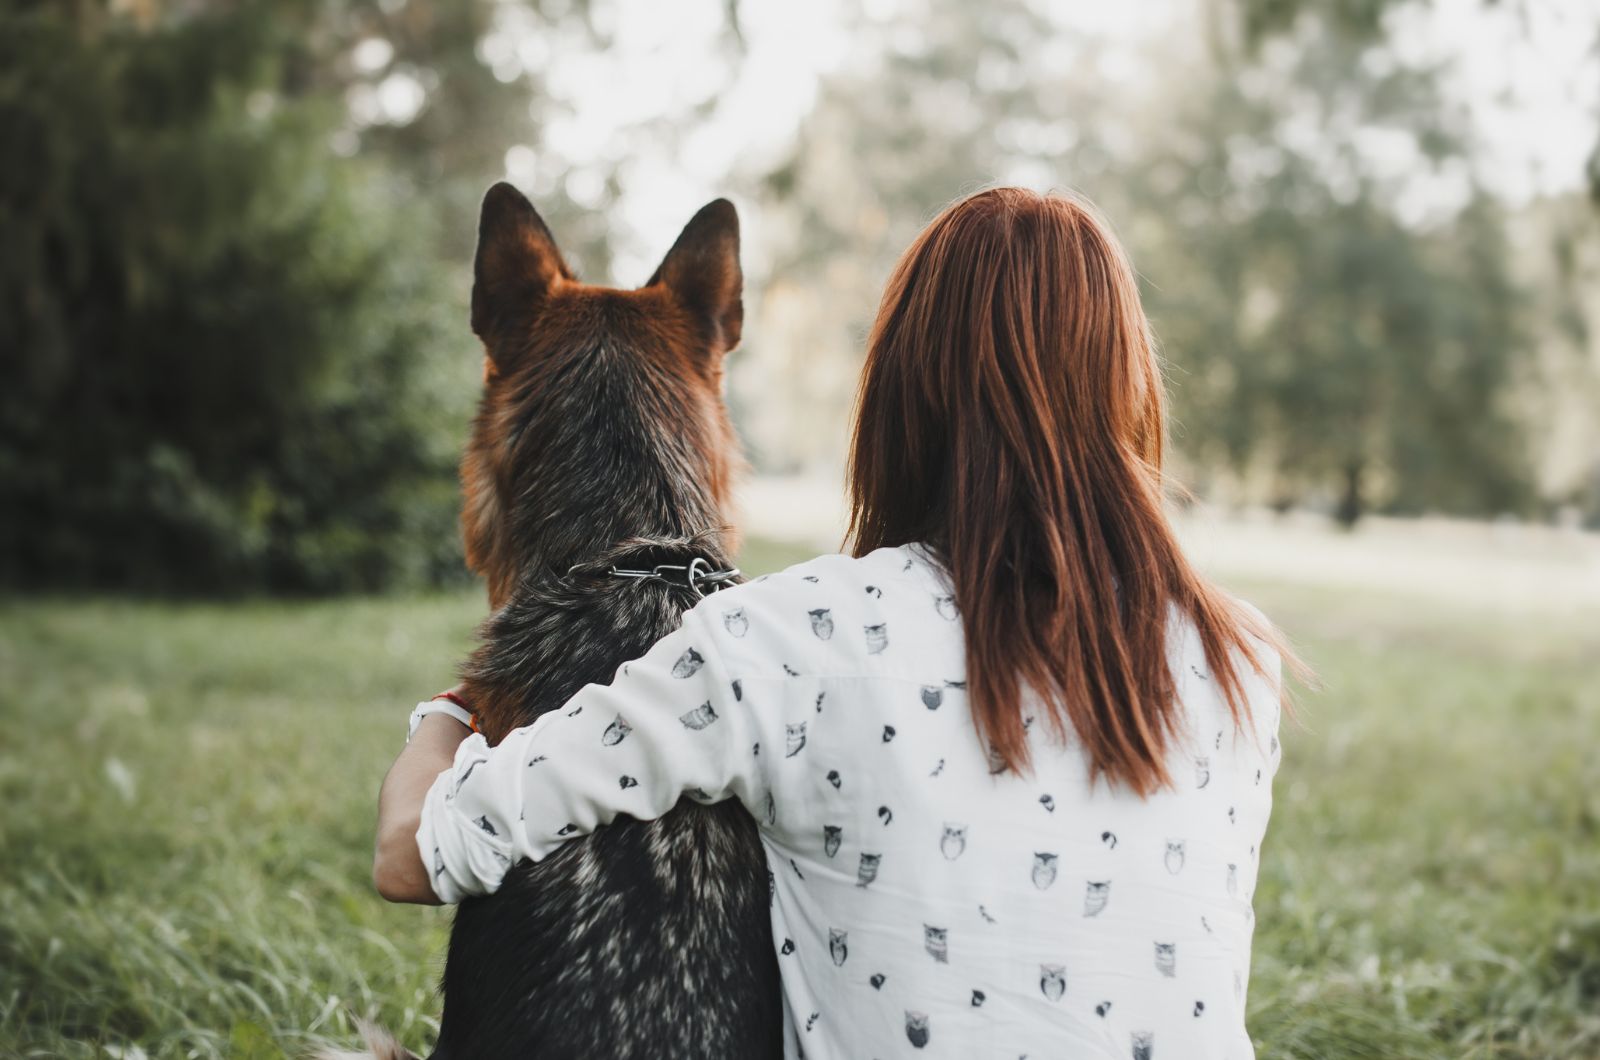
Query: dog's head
column 602, row 412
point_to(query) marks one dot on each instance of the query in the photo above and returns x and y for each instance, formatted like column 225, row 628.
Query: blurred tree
column 1329, row 347
column 218, row 337
column 940, row 97
column 233, row 342
column 1262, row 20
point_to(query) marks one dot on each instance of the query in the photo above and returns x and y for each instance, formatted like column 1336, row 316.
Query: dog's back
column 601, row 441
column 647, row 939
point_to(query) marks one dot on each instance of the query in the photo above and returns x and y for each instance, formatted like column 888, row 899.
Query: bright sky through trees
column 1528, row 74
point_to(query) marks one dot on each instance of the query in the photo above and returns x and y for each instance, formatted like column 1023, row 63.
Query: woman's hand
column 397, row 867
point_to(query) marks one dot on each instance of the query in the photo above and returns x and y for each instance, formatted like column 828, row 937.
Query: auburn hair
column 1011, row 418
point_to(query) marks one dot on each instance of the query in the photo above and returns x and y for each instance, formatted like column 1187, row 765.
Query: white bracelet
column 437, row 706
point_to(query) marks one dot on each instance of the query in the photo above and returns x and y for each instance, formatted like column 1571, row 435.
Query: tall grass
column 188, row 793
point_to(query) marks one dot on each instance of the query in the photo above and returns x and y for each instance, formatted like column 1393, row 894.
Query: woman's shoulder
column 832, row 571
column 807, row 596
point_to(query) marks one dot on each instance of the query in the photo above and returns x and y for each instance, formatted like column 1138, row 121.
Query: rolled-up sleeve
column 669, row 724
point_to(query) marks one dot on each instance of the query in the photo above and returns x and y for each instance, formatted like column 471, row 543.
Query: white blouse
column 923, row 903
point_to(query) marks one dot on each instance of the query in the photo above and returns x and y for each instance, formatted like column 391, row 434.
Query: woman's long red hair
column 1011, row 416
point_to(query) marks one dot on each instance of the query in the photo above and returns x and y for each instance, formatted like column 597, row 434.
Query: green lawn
column 189, row 794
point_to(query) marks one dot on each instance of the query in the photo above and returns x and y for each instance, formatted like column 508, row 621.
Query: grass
column 189, row 793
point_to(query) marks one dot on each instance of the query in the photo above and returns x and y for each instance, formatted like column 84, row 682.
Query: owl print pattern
column 688, row 665
column 917, row 1029
column 1052, row 981
column 616, row 732
column 954, row 841
column 980, row 858
column 699, row 717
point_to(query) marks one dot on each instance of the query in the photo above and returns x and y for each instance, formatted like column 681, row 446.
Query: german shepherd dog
column 602, row 441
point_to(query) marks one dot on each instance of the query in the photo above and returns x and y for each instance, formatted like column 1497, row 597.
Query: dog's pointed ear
column 517, row 264
column 702, row 270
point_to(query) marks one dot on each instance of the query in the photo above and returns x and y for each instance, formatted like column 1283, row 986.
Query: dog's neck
column 607, row 454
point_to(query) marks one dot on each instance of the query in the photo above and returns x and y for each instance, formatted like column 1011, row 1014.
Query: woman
column 1011, row 759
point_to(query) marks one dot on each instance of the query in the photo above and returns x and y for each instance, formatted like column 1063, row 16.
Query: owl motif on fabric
column 917, row 1029
column 616, row 732
column 699, row 717
column 1096, row 894
column 1052, row 981
column 954, row 841
column 688, row 664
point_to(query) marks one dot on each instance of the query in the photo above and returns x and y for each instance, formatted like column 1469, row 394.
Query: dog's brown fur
column 601, row 439
column 665, row 329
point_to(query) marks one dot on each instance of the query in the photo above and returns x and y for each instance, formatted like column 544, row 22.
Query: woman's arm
column 670, row 723
column 397, row 868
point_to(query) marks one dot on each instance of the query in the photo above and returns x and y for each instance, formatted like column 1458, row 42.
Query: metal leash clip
column 697, row 573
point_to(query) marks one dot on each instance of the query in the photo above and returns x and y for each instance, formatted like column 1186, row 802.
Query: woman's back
column 1027, row 825
column 927, row 898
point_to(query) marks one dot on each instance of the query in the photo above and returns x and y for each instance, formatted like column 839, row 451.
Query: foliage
column 1347, row 355
column 190, row 797
column 1332, row 344
column 218, row 332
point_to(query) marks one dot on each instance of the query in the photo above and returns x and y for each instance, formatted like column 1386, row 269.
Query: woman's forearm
column 397, row 867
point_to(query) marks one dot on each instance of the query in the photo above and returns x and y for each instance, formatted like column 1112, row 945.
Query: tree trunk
column 1352, row 505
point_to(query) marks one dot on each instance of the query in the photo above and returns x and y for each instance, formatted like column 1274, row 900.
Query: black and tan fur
column 602, row 438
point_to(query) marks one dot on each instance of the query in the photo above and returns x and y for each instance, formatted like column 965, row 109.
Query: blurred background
column 235, row 376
